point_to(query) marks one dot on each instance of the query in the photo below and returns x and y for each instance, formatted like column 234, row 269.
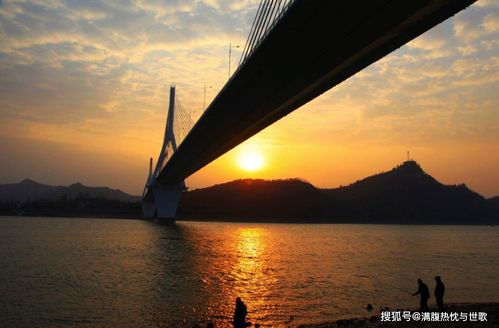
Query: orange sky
column 84, row 92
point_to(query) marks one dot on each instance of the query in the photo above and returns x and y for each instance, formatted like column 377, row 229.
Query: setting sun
column 250, row 160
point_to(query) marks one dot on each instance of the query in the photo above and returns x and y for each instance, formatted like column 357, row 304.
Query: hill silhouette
column 249, row 199
column 31, row 190
column 405, row 195
column 30, row 198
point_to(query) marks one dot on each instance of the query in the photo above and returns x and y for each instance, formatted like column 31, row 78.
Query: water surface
column 62, row 272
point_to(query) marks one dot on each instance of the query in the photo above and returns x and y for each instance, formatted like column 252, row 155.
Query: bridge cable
column 243, row 54
column 254, row 40
column 268, row 14
column 269, row 20
column 182, row 122
column 262, row 27
column 252, row 35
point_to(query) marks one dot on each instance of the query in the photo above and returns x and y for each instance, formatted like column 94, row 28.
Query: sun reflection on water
column 251, row 282
column 174, row 276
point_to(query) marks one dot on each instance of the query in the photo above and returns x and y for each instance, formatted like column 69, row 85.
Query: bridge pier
column 162, row 201
column 148, row 208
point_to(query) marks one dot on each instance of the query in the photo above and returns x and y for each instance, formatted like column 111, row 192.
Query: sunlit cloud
column 467, row 50
column 491, row 23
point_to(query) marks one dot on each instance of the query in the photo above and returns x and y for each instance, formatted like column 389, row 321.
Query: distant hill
column 249, row 199
column 29, row 190
column 30, row 198
column 494, row 202
column 406, row 194
column 403, row 195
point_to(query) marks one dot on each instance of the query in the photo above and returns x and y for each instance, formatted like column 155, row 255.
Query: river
column 60, row 272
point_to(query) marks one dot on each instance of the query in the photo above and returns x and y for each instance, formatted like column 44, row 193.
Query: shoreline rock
column 492, row 310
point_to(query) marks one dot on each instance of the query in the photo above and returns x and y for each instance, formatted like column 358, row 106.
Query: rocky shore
column 491, row 310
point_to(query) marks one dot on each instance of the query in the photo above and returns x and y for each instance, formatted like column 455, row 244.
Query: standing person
column 439, row 293
column 424, row 293
column 240, row 314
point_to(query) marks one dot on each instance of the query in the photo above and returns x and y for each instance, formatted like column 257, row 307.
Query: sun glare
column 250, row 160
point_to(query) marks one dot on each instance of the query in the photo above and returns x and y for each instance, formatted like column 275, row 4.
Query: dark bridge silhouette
column 311, row 46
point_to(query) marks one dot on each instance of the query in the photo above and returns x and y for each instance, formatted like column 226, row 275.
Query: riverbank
column 491, row 310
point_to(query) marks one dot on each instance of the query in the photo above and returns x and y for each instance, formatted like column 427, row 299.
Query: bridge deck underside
column 315, row 46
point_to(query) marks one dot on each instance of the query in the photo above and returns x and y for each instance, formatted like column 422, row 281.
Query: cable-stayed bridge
column 296, row 50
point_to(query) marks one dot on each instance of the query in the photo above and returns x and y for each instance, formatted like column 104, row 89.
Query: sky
column 84, row 93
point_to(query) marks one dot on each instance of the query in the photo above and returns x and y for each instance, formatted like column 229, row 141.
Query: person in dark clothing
column 424, row 293
column 439, row 293
column 240, row 314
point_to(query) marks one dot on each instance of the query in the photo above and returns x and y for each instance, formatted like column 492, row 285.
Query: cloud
column 428, row 41
column 491, row 23
column 486, row 4
column 94, row 76
column 110, row 52
column 467, row 50
column 467, row 30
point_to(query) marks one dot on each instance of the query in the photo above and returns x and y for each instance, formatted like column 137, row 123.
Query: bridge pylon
column 160, row 201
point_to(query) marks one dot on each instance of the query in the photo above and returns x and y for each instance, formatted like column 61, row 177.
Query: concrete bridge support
column 160, row 200
column 163, row 202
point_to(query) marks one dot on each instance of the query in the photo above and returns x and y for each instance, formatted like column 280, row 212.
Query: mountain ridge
column 405, row 194
column 29, row 190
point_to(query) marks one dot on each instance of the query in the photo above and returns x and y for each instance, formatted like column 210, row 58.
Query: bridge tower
column 160, row 201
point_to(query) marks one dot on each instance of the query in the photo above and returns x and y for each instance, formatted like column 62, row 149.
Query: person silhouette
column 439, row 293
column 240, row 314
column 424, row 293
